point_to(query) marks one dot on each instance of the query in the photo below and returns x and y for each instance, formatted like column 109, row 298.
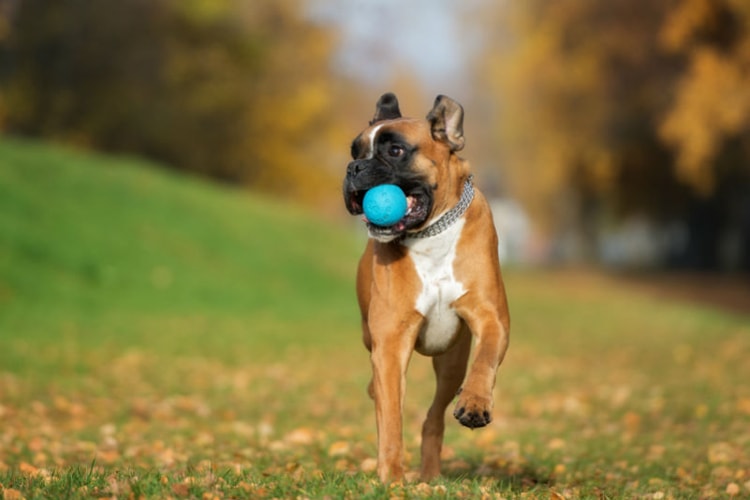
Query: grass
column 162, row 337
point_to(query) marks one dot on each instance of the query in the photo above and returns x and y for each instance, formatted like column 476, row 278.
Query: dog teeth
column 410, row 204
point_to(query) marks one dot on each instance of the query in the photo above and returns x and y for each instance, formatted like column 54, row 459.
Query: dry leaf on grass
column 369, row 464
column 12, row 494
column 721, row 453
column 339, row 448
column 301, row 437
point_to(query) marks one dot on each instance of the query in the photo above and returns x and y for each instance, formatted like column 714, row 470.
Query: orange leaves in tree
column 712, row 100
column 619, row 104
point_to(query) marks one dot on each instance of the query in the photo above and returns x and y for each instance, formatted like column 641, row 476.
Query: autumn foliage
column 227, row 89
column 620, row 107
column 712, row 99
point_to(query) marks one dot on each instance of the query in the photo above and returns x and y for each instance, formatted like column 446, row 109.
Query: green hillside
column 91, row 247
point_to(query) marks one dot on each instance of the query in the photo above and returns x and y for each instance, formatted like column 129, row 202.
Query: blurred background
column 615, row 133
column 177, row 306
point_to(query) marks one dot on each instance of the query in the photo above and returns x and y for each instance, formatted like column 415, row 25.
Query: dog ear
column 447, row 122
column 386, row 108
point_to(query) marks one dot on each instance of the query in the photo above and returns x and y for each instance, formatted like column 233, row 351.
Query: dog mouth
column 418, row 204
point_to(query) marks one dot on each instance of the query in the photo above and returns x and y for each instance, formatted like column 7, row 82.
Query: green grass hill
column 91, row 247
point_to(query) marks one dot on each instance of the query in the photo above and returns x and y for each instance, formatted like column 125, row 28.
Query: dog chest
column 433, row 260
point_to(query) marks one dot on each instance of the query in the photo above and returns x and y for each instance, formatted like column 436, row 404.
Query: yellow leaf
column 556, row 444
column 27, row 468
column 554, row 495
column 368, row 465
column 11, row 494
column 720, row 453
column 339, row 448
column 301, row 436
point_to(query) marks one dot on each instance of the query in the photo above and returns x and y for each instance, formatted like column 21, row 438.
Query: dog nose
column 355, row 167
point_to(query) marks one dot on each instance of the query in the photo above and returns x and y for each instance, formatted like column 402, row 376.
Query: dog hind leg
column 450, row 368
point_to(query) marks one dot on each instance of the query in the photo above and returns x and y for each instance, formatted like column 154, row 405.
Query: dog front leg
column 391, row 350
column 474, row 405
column 389, row 387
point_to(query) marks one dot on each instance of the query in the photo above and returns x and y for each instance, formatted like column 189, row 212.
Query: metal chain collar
column 449, row 217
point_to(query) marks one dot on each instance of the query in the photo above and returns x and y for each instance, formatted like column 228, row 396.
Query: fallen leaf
column 40, row 459
column 656, row 452
column 108, row 456
column 632, row 421
column 341, row 464
column 743, row 405
column 720, row 453
column 733, row 489
column 11, row 494
column 301, row 436
column 368, row 465
column 339, row 448
column 423, row 489
column 181, row 489
column 27, row 468
column 722, row 472
column 36, row 444
column 553, row 495
column 556, row 444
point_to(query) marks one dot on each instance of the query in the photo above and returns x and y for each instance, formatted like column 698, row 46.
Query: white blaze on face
column 371, row 144
column 433, row 258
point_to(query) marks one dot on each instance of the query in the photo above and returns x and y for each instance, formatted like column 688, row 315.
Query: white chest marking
column 433, row 258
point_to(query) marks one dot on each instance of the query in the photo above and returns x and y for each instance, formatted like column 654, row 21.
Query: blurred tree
column 621, row 107
column 236, row 90
column 712, row 102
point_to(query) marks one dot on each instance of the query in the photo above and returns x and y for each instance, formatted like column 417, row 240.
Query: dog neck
column 448, row 218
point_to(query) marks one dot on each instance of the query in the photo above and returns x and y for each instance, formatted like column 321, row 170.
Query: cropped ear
column 386, row 108
column 447, row 122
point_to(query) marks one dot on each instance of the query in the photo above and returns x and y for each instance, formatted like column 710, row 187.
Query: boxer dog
column 430, row 282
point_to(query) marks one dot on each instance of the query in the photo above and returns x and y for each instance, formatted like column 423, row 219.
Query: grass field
column 161, row 337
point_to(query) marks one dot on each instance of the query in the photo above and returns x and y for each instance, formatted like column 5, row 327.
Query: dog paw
column 473, row 411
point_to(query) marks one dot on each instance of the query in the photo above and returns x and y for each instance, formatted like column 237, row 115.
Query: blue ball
column 384, row 205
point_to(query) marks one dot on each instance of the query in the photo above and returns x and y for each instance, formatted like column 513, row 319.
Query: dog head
column 419, row 156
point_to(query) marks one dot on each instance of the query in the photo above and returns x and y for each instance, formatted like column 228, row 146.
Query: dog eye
column 395, row 151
